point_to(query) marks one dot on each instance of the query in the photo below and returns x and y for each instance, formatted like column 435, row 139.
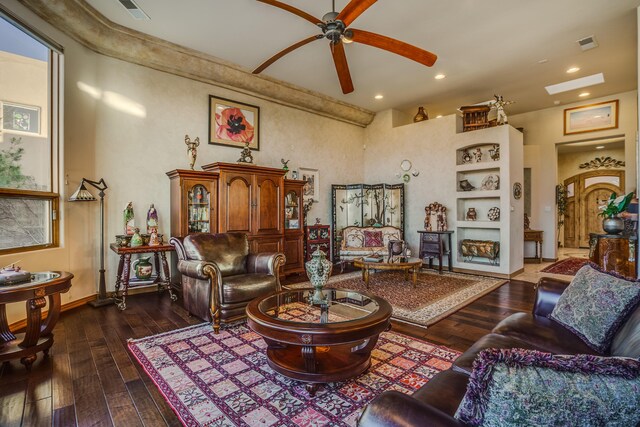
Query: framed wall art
column 233, row 123
column 20, row 118
column 311, row 189
column 591, row 118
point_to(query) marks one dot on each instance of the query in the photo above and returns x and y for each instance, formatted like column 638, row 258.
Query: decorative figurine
column 129, row 222
column 420, row 116
column 478, row 155
column 527, row 222
column 285, row 166
column 152, row 220
column 245, row 154
column 490, row 182
column 494, row 152
column 472, row 215
column 318, row 221
column 154, row 239
column 136, row 239
column 192, row 149
column 294, row 175
column 465, row 185
column 435, row 215
column 499, row 105
column 466, row 157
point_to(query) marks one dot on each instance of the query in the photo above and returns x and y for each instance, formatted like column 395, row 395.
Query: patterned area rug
column 568, row 267
column 436, row 295
column 224, row 379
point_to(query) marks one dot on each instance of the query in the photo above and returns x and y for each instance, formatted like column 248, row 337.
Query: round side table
column 38, row 336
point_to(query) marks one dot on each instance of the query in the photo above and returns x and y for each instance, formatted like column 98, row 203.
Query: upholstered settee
column 220, row 277
column 358, row 242
column 437, row 401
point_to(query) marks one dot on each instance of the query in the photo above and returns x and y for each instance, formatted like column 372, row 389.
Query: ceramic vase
column 318, row 270
column 420, row 116
column 136, row 239
column 613, row 225
column 142, row 268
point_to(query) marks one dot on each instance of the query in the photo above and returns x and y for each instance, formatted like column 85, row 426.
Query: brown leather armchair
column 220, row 277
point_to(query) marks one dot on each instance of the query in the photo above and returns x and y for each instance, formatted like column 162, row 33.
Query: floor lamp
column 83, row 195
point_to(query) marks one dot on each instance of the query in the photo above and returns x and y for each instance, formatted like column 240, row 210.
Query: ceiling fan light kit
column 335, row 28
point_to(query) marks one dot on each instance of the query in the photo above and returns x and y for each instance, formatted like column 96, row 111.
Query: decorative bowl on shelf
column 123, row 240
column 465, row 185
column 491, row 182
column 494, row 214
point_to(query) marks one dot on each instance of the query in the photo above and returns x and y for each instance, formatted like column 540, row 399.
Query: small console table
column 536, row 237
column 162, row 277
column 432, row 245
column 38, row 336
column 614, row 252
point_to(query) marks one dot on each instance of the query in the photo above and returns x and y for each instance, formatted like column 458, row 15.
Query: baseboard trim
column 22, row 324
column 488, row 274
column 549, row 259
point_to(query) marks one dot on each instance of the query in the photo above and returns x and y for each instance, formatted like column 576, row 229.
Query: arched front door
column 585, row 192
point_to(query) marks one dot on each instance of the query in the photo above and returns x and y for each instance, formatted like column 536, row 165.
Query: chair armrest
column 195, row 269
column 267, row 262
column 548, row 291
column 395, row 409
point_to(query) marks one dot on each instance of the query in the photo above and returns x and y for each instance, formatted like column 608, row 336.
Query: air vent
column 134, row 9
column 588, row 43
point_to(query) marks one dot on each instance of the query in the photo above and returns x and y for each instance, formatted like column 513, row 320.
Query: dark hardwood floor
column 90, row 379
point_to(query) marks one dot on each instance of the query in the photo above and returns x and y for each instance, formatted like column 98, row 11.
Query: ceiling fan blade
column 293, row 10
column 342, row 67
column 394, row 46
column 282, row 53
column 353, row 10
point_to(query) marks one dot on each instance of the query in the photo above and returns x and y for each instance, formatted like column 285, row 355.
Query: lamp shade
column 82, row 195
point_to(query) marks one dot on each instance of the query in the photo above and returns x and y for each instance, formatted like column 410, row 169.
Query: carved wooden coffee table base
column 324, row 346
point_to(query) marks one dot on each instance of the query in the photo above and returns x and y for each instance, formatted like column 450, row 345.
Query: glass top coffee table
column 408, row 265
column 319, row 342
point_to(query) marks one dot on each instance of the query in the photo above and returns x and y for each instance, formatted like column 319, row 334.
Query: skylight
column 594, row 79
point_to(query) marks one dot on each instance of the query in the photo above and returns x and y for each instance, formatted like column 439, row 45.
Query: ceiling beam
column 83, row 23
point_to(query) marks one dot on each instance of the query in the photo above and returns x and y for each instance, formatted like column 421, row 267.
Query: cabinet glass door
column 199, row 209
column 292, row 211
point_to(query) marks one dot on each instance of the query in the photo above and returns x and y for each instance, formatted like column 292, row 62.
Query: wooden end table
column 432, row 245
column 162, row 277
column 536, row 237
column 319, row 343
column 38, row 336
column 411, row 265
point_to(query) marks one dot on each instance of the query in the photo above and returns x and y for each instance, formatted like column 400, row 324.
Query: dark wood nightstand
column 436, row 244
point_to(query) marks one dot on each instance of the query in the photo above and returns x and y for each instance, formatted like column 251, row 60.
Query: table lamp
column 83, row 195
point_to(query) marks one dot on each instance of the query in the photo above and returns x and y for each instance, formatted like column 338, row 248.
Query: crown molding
column 83, row 23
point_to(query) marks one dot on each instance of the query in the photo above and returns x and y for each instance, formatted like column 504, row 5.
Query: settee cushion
column 583, row 390
column 245, row 287
column 228, row 251
column 595, row 305
column 372, row 238
column 542, row 333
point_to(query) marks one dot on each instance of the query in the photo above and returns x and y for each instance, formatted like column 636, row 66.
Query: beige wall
column 569, row 163
column 126, row 124
column 544, row 129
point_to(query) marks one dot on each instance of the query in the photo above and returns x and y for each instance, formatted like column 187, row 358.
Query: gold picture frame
column 591, row 118
column 233, row 123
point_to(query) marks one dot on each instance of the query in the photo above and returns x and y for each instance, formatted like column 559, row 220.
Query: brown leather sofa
column 437, row 401
column 220, row 277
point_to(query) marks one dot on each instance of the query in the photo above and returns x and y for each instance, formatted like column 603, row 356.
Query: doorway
column 585, row 193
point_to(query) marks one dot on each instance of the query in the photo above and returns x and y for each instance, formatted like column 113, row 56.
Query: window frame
column 54, row 102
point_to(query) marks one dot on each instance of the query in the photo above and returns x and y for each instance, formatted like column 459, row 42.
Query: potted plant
column 612, row 224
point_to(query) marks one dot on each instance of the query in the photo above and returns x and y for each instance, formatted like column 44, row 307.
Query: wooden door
column 570, row 217
column 236, row 213
column 268, row 205
column 592, row 197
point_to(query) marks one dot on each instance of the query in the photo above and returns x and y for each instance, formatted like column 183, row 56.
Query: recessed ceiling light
column 584, row 94
column 438, row 116
column 543, row 61
column 439, row 76
column 556, row 102
column 573, row 70
column 575, row 84
column 599, row 147
column 379, row 96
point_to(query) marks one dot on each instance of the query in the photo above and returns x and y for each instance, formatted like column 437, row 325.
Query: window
column 29, row 109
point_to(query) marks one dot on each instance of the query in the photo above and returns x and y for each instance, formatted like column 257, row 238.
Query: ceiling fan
column 335, row 27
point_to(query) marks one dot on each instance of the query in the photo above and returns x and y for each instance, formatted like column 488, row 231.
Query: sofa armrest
column 548, row 291
column 395, row 409
column 195, row 269
column 267, row 262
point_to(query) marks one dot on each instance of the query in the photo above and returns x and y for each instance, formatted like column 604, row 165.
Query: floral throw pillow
column 516, row 387
column 372, row 238
column 595, row 305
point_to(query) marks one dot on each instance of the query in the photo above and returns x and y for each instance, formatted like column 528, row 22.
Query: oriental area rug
column 224, row 379
column 568, row 266
column 435, row 297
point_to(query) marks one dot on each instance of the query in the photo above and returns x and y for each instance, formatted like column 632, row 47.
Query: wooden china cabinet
column 194, row 196
column 293, row 223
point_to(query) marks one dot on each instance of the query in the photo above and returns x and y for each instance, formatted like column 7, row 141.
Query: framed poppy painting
column 233, row 123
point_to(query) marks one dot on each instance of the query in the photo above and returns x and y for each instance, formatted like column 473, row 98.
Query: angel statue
column 129, row 223
column 152, row 219
column 499, row 105
column 192, row 149
column 285, row 166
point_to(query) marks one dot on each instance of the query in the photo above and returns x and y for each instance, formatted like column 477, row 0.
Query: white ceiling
column 483, row 47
